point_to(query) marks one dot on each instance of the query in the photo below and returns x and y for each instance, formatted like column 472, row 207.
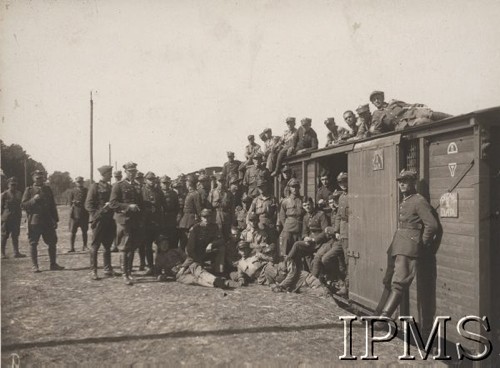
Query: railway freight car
column 458, row 165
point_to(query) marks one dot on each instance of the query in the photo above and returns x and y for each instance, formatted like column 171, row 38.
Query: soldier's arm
column 115, row 198
column 52, row 204
column 314, row 140
column 282, row 214
column 191, row 247
column 424, row 211
column 27, row 202
column 336, row 225
column 197, row 203
column 90, row 203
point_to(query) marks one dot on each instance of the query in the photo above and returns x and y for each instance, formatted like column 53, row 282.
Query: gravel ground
column 66, row 319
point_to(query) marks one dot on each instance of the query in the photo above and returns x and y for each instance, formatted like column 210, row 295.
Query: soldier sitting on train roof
column 307, row 139
column 351, row 121
column 399, row 115
column 271, row 147
column 364, row 121
column 335, row 133
column 288, row 142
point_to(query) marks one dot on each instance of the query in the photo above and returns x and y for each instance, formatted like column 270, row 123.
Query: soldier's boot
column 130, row 263
column 108, row 269
column 341, row 288
column 72, row 243
column 15, row 244
column 52, row 257
column 150, row 263
column 393, row 301
column 85, row 240
column 142, row 258
column 114, row 247
column 124, row 262
column 382, row 301
column 4, row 246
column 93, row 264
column 34, row 259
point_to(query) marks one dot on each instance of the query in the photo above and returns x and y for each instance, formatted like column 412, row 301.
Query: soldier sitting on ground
column 251, row 263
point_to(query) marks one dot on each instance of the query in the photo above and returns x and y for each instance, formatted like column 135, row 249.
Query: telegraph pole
column 109, row 151
column 91, row 138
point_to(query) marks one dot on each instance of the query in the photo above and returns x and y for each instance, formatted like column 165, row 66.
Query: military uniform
column 271, row 146
column 79, row 217
column 223, row 203
column 172, row 206
column 290, row 216
column 306, row 137
column 288, row 143
column 417, row 227
column 102, row 222
column 322, row 195
column 252, row 175
column 314, row 224
column 200, row 236
column 38, row 202
column 265, row 207
column 230, row 170
column 124, row 194
column 11, row 218
column 190, row 215
column 342, row 220
column 153, row 202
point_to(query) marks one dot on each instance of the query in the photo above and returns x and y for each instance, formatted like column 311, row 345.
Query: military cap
column 293, row 183
column 38, row 173
column 12, row 180
column 363, row 109
column 206, row 212
column 253, row 217
column 267, row 130
column 165, row 179
column 407, row 175
column 243, row 245
column 150, row 175
column 230, row 154
column 286, row 168
column 251, row 136
column 329, row 230
column 263, row 136
column 330, row 121
column 342, row 177
column 290, row 120
column 139, row 175
column 117, row 173
column 375, row 93
column 78, row 179
column 105, row 169
column 130, row 166
column 306, row 121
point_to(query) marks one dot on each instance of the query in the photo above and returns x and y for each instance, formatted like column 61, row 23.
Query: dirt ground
column 66, row 319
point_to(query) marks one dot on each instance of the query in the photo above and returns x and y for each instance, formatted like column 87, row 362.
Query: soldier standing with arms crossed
column 102, row 223
column 126, row 202
column 79, row 217
column 38, row 202
column 11, row 217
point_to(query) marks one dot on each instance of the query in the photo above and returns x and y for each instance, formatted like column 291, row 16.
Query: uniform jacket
column 192, row 209
column 42, row 211
column 291, row 213
column 11, row 206
column 230, row 170
column 364, row 129
column 266, row 208
column 199, row 237
column 172, row 206
column 271, row 145
column 153, row 207
column 97, row 197
column 386, row 118
column 77, row 197
column 314, row 224
column 123, row 194
column 251, row 149
column 342, row 217
column 224, row 204
column 255, row 237
column 416, row 226
column 289, row 140
column 306, row 139
column 323, row 193
column 252, row 174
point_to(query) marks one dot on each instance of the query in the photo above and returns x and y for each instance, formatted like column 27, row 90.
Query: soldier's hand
column 321, row 201
column 337, row 236
column 36, row 197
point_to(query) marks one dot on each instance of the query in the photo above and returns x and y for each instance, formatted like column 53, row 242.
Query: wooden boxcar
column 458, row 164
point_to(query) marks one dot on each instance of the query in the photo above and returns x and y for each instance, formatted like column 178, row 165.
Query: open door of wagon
column 373, row 196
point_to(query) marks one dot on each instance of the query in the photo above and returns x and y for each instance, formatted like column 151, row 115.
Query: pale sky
column 178, row 83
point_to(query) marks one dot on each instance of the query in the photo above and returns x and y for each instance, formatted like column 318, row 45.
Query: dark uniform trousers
column 11, row 218
column 42, row 218
column 102, row 223
column 79, row 217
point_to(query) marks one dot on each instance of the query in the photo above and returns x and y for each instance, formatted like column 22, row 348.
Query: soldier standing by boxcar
column 79, row 217
column 417, row 227
column 290, row 216
column 223, row 203
column 126, row 201
column 102, row 223
column 11, row 217
column 191, row 212
column 341, row 225
column 323, row 194
column 38, row 202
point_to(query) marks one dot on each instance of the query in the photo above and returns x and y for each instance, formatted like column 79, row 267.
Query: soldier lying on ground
column 251, row 263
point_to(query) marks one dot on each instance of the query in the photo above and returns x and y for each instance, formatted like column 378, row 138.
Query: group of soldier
column 228, row 229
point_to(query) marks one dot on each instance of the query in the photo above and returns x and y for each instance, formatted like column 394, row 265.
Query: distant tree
column 60, row 182
column 15, row 161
